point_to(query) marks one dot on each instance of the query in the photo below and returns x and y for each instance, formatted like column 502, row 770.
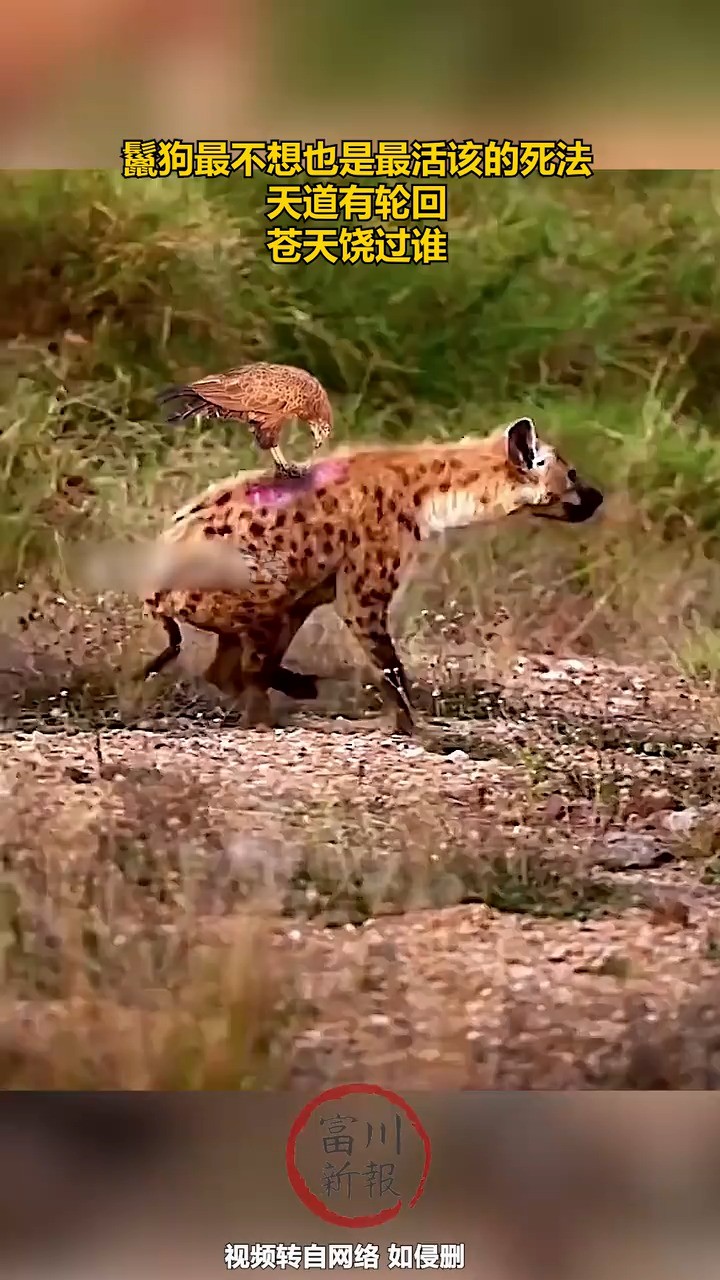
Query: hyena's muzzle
column 578, row 503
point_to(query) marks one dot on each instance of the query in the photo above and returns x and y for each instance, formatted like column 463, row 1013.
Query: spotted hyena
column 346, row 532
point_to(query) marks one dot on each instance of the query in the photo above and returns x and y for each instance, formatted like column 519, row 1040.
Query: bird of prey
column 266, row 397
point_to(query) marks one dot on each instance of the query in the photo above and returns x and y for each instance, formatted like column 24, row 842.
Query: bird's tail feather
column 190, row 403
column 171, row 393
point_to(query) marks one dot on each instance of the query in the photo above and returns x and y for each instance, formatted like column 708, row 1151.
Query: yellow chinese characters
column 351, row 245
column 357, row 201
column 287, row 159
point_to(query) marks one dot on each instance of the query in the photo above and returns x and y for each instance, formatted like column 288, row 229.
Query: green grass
column 356, row 866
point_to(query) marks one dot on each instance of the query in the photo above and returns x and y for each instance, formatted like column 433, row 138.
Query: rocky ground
column 525, row 896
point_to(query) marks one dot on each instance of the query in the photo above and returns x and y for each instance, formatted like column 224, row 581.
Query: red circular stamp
column 357, row 1155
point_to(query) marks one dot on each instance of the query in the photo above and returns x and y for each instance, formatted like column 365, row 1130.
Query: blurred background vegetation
column 591, row 304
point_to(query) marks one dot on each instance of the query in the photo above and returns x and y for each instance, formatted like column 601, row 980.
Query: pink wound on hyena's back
column 281, row 490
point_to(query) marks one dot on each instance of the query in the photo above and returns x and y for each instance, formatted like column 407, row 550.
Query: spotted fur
column 347, row 532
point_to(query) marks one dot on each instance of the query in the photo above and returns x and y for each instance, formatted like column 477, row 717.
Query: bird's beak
column 319, row 433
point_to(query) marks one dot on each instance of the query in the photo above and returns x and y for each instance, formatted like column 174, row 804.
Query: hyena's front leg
column 364, row 608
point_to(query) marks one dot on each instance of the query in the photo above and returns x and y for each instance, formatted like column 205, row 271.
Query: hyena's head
column 546, row 483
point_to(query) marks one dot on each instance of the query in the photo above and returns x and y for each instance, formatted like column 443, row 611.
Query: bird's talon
column 291, row 472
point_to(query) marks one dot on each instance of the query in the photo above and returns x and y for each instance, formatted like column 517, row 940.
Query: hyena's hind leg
column 169, row 653
column 249, row 663
column 292, row 683
column 238, row 669
column 226, row 673
column 232, row 667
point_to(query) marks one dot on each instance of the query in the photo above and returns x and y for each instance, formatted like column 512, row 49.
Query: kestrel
column 266, row 397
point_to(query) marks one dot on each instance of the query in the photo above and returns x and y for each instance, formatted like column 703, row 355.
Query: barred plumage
column 265, row 397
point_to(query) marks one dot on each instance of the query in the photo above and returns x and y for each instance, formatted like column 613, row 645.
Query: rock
column 613, row 965
column 555, row 807
column 79, row 775
column 681, row 823
column 643, row 803
column 628, row 852
column 669, row 908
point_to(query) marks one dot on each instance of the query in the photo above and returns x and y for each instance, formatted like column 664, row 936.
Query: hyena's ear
column 521, row 444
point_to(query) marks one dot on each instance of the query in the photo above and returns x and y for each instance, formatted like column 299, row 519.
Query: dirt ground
column 524, row 896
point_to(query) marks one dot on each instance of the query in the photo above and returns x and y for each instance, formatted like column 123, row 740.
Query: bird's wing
column 236, row 391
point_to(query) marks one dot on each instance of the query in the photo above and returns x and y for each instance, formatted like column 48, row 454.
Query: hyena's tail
column 144, row 569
